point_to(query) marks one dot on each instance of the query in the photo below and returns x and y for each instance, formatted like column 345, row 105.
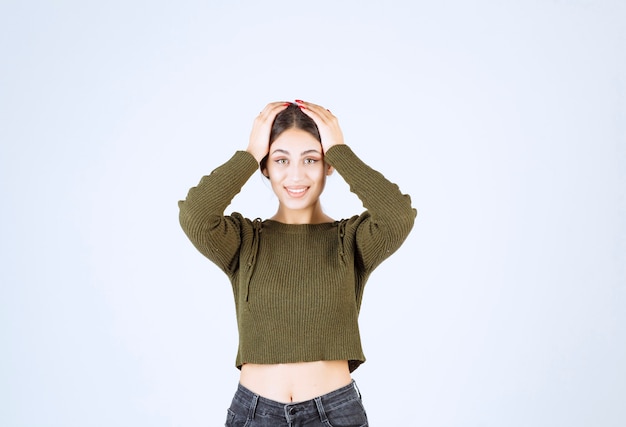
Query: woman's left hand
column 326, row 122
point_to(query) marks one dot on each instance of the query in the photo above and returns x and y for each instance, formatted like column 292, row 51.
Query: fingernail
column 302, row 107
column 299, row 101
column 286, row 103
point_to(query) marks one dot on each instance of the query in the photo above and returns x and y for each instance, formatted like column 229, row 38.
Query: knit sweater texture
column 297, row 287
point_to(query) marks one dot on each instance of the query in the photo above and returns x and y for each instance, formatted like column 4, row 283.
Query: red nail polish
column 286, row 103
column 299, row 101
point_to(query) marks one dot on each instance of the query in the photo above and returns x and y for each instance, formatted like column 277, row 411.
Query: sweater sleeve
column 216, row 236
column 389, row 216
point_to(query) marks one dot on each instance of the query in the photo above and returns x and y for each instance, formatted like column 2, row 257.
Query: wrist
column 328, row 147
column 258, row 156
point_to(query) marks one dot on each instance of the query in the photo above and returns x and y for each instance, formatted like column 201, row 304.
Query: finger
column 272, row 109
column 322, row 118
column 311, row 110
column 316, row 111
column 311, row 106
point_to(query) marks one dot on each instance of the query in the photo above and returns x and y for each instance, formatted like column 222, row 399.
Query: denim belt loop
column 253, row 404
column 358, row 392
column 320, row 409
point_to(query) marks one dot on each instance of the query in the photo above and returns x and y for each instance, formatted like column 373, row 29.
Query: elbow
column 403, row 224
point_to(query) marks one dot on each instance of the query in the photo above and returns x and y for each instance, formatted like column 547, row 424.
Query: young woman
column 297, row 277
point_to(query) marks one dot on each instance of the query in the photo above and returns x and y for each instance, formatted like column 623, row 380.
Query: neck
column 312, row 215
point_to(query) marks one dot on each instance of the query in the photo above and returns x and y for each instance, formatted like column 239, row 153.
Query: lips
column 296, row 192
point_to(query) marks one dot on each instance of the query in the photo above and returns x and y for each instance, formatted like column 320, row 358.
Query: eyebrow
column 304, row 153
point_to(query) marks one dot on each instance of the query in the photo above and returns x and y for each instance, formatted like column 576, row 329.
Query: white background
column 504, row 120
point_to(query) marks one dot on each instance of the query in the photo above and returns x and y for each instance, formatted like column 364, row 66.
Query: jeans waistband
column 255, row 403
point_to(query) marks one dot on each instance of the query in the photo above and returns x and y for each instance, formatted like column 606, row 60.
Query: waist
column 295, row 382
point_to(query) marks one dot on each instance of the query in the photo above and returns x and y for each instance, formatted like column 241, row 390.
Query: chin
column 297, row 206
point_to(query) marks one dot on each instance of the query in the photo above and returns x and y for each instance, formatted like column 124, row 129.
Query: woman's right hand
column 260, row 135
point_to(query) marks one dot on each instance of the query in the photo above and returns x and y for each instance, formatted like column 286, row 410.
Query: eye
column 281, row 161
column 309, row 161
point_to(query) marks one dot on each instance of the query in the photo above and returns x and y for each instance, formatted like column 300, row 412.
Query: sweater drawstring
column 257, row 227
column 341, row 232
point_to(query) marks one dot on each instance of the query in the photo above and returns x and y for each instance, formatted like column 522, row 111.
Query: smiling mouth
column 296, row 192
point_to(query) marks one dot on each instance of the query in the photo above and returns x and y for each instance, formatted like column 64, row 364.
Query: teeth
column 299, row 190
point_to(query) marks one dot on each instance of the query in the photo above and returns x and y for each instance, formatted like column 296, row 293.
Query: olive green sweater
column 297, row 287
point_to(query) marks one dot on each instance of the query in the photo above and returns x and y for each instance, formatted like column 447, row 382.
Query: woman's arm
column 389, row 217
column 201, row 216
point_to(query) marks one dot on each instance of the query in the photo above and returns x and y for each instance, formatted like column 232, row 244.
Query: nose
column 296, row 171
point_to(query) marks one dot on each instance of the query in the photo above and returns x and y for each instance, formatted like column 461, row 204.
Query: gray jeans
column 340, row 408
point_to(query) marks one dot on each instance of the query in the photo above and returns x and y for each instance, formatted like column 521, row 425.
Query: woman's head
column 290, row 118
column 295, row 167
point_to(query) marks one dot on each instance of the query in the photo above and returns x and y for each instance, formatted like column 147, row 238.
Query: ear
column 265, row 173
column 329, row 170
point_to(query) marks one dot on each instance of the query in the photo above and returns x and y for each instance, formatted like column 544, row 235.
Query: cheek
column 275, row 172
column 319, row 173
column 276, row 176
column 276, row 185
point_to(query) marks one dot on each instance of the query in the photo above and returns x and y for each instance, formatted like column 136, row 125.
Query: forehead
column 295, row 140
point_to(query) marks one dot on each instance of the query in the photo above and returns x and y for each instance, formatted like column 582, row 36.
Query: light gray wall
column 505, row 122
